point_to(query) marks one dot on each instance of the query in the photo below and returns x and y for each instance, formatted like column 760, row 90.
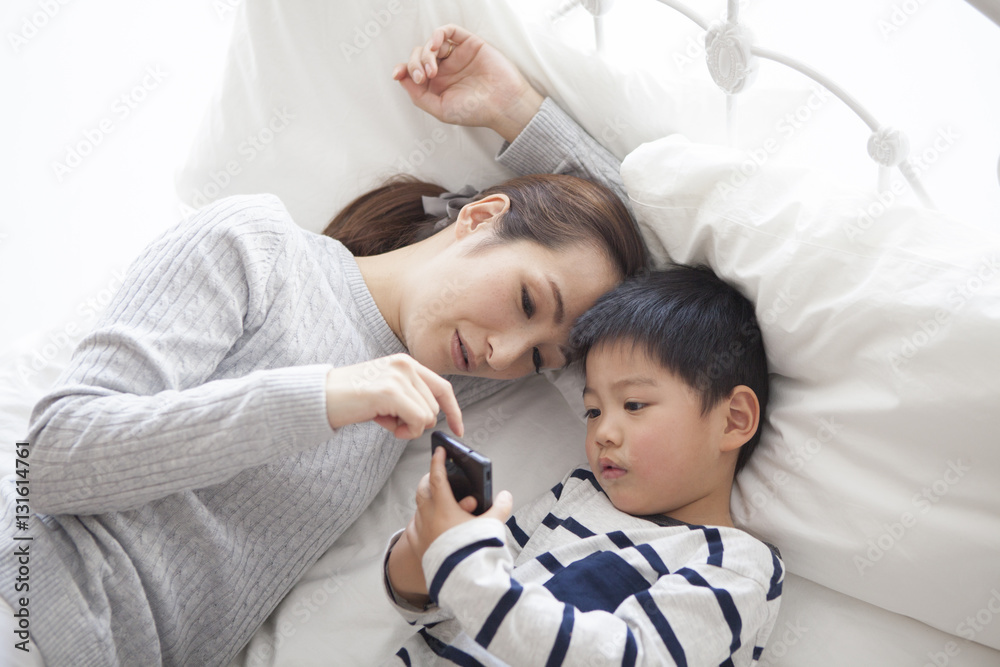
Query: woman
column 234, row 410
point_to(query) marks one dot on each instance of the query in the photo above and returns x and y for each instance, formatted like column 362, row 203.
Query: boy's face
column 648, row 443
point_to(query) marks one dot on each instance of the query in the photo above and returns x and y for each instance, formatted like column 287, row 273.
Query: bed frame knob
column 888, row 146
column 727, row 52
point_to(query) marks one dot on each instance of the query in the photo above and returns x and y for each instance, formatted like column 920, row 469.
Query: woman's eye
column 592, row 413
column 536, row 358
column 632, row 406
column 526, row 302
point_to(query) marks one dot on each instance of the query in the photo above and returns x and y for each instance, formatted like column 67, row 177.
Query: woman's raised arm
column 460, row 79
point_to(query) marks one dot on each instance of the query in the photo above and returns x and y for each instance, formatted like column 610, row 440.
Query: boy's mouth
column 609, row 470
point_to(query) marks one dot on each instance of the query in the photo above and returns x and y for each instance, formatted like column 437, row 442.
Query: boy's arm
column 698, row 614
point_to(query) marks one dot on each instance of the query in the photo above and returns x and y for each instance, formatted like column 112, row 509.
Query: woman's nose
column 508, row 353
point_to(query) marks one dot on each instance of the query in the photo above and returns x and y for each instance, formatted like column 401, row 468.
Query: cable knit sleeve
column 138, row 415
column 553, row 143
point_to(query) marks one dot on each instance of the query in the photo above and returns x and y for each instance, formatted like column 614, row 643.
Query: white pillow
column 308, row 110
column 877, row 471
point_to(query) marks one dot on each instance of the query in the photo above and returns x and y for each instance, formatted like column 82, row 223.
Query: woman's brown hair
column 553, row 210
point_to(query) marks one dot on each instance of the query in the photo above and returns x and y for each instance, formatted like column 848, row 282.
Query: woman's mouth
column 460, row 355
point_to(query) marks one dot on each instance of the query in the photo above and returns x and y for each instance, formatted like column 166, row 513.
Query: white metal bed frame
column 732, row 56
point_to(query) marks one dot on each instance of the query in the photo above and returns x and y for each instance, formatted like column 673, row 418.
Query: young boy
column 630, row 560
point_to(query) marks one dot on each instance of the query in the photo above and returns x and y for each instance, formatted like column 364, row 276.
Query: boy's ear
column 742, row 419
column 473, row 215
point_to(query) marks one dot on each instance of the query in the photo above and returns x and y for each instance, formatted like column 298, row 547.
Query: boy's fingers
column 424, row 489
column 440, row 488
column 468, row 504
column 502, row 505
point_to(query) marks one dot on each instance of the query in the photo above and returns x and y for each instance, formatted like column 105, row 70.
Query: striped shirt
column 572, row 580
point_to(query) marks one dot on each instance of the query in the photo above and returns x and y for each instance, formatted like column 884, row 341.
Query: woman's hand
column 460, row 79
column 395, row 392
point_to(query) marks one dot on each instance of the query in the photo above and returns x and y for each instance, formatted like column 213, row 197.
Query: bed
column 878, row 295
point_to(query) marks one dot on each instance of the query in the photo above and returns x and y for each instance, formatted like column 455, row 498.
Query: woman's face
column 501, row 311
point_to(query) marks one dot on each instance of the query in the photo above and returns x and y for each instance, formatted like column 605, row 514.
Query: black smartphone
column 469, row 472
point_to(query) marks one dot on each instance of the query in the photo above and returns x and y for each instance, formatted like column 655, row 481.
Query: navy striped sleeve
column 517, row 532
column 775, row 589
column 453, row 560
column 714, row 540
column 551, row 521
column 500, row 611
column 662, row 626
column 550, row 562
column 653, row 558
column 620, row 540
column 726, row 604
column 563, row 637
column 448, row 651
column 631, row 652
column 583, row 473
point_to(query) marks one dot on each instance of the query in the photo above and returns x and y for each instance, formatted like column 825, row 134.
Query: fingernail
column 418, row 76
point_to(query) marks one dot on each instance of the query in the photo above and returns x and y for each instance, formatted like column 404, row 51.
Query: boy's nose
column 608, row 435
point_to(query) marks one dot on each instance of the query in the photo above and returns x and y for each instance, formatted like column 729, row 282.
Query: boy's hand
column 437, row 509
column 460, row 79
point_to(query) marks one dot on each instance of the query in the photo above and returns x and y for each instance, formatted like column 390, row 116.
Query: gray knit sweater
column 183, row 471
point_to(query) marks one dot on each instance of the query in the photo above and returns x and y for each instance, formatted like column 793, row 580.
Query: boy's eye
column 592, row 413
column 632, row 406
column 536, row 359
column 526, row 303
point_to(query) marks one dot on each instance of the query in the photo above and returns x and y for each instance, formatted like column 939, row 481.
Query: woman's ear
column 479, row 215
column 742, row 419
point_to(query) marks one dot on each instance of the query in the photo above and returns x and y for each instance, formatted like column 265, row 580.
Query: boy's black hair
column 698, row 326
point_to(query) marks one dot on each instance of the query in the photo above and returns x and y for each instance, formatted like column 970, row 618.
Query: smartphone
column 469, row 472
